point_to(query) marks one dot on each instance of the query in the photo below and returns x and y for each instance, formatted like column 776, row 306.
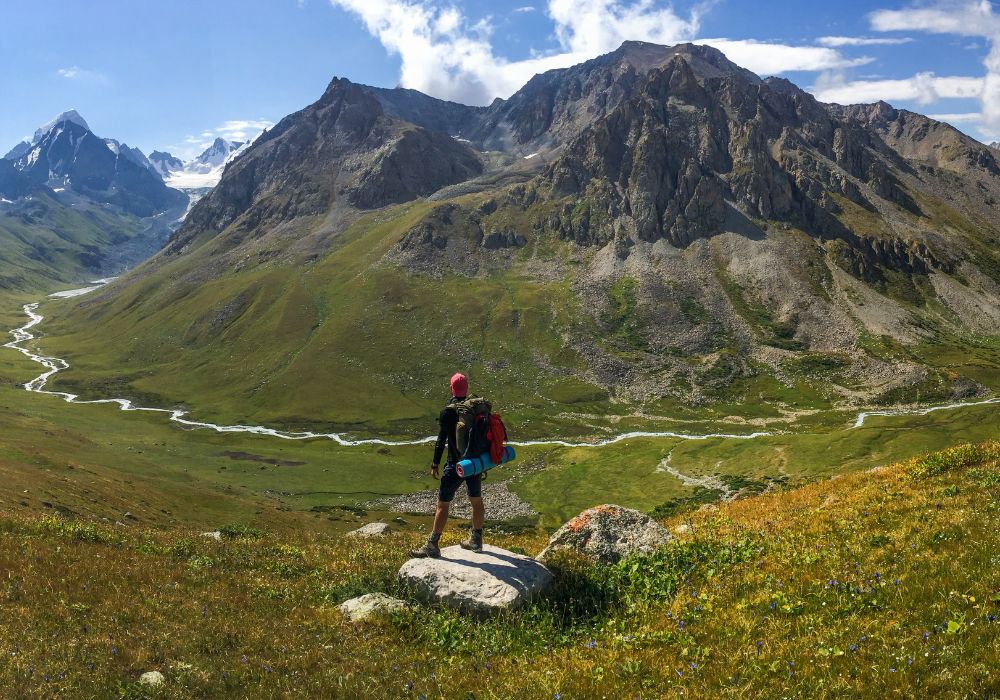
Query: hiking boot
column 429, row 550
column 475, row 541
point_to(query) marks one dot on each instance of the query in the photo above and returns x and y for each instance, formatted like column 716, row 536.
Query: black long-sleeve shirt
column 447, row 422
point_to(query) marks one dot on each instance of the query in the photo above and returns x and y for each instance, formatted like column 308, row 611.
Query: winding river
column 53, row 365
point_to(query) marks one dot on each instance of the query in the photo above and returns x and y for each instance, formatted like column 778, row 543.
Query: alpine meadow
column 580, row 355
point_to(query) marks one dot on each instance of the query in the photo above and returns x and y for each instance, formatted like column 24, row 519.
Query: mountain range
column 74, row 205
column 656, row 229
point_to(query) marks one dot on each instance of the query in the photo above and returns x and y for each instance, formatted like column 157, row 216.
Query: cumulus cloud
column 840, row 41
column 446, row 55
column 958, row 117
column 81, row 75
column 965, row 18
column 922, row 88
column 773, row 59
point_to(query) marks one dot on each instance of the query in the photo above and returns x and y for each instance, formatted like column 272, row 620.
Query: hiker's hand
column 434, row 471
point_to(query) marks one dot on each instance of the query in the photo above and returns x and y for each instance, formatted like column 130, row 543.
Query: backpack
column 473, row 425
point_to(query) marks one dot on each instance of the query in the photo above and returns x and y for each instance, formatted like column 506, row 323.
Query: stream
column 54, row 365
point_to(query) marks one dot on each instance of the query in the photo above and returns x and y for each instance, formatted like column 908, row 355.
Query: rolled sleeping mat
column 477, row 465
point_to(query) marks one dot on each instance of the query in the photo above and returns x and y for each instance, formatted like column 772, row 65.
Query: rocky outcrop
column 607, row 534
column 369, row 605
column 371, row 530
column 477, row 583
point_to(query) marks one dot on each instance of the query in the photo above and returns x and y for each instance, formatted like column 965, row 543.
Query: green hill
column 879, row 583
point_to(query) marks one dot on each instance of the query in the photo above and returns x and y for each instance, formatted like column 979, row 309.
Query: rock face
column 363, row 607
column 478, row 583
column 342, row 150
column 371, row 530
column 608, row 534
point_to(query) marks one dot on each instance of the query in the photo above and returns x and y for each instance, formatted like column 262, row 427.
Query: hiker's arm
column 442, row 440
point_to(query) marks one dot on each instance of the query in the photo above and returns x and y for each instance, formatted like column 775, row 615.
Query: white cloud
column 958, row 117
column 242, row 129
column 773, row 59
column 526, row 8
column 839, row 41
column 445, row 55
column 81, row 74
column 968, row 18
column 922, row 88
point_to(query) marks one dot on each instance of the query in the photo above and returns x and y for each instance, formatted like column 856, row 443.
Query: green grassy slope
column 44, row 243
column 98, row 462
column 879, row 584
column 340, row 340
column 325, row 344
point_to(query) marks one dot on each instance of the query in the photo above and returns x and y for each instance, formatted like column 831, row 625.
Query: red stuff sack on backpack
column 496, row 435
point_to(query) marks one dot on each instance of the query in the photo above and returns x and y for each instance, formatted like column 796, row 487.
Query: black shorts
column 450, row 481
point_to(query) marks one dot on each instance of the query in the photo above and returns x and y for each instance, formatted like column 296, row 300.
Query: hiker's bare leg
column 478, row 512
column 441, row 515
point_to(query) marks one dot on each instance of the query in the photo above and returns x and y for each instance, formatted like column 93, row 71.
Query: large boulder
column 371, row 530
column 608, row 534
column 363, row 607
column 477, row 582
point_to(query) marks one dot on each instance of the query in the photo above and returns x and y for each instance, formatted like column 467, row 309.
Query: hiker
column 450, row 480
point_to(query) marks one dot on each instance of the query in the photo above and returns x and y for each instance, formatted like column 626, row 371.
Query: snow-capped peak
column 69, row 116
column 165, row 163
column 218, row 153
column 205, row 170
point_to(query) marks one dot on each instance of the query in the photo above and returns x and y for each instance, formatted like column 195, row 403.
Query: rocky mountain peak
column 68, row 116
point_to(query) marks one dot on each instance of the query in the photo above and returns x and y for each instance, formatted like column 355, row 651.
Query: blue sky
column 172, row 75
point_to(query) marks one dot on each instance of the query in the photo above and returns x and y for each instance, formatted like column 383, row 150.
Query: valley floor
column 95, row 461
column 880, row 583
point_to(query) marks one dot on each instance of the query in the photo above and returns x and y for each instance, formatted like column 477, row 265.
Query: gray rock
column 479, row 583
column 153, row 678
column 363, row 607
column 371, row 530
column 214, row 535
column 607, row 534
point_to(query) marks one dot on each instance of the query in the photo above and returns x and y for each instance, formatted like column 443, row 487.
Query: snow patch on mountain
column 203, row 171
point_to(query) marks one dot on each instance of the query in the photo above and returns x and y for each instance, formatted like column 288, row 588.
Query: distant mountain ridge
column 657, row 225
column 73, row 204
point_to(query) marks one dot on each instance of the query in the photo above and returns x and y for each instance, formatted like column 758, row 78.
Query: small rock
column 607, row 534
column 371, row 530
column 682, row 529
column 153, row 678
column 362, row 607
column 214, row 535
column 477, row 582
column 401, row 521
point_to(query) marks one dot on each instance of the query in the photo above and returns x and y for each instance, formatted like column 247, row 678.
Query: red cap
column 459, row 385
